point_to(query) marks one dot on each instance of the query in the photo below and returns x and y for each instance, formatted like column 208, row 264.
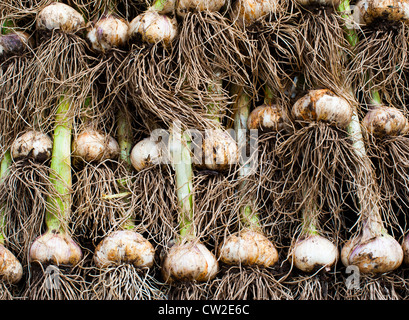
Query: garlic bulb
column 329, row 3
column 11, row 270
column 368, row 11
column 59, row 16
column 146, row 153
column 323, row 105
column 124, row 246
column 376, row 254
column 384, row 120
column 219, row 150
column 313, row 252
column 153, row 27
column 405, row 249
column 248, row 248
column 189, row 261
column 55, row 248
column 246, row 12
column 90, row 145
column 266, row 118
column 32, row 144
column 15, row 42
column 107, row 33
column 185, row 6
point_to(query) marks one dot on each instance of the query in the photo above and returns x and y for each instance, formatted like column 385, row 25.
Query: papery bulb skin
column 11, row 270
column 15, row 43
column 93, row 146
column 378, row 254
column 55, row 248
column 124, row 247
column 107, row 33
column 246, row 12
column 385, row 121
column 190, row 261
column 266, row 118
column 219, row 151
column 312, row 252
column 32, row 144
column 153, row 28
column 147, row 153
column 248, row 248
column 185, row 6
column 367, row 12
column 323, row 105
column 59, row 16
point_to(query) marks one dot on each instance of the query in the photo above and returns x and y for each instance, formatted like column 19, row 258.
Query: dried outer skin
column 323, row 105
column 55, row 248
column 248, row 248
column 383, row 120
column 59, row 16
column 189, row 262
column 375, row 255
column 266, row 118
column 368, row 11
column 91, row 145
column 154, row 28
column 124, row 247
column 32, row 144
column 11, row 270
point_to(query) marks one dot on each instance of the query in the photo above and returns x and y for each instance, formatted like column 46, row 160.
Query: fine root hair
column 125, row 282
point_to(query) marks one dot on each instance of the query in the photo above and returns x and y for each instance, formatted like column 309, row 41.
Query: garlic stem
column 372, row 221
column 182, row 163
column 4, row 171
column 59, row 208
column 249, row 218
column 268, row 95
column 215, row 88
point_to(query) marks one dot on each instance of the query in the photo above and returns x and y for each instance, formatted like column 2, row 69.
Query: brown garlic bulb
column 124, row 247
column 369, row 11
column 56, row 248
column 190, row 261
column 32, row 144
column 323, row 105
column 154, row 28
column 11, row 270
column 266, row 118
column 108, row 32
column 59, row 16
column 91, row 145
column 383, row 120
column 248, row 248
column 312, row 252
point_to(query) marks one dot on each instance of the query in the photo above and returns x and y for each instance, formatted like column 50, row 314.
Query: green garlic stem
column 268, row 95
column 59, row 209
column 249, row 218
column 159, row 5
column 372, row 221
column 4, row 171
column 182, row 163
